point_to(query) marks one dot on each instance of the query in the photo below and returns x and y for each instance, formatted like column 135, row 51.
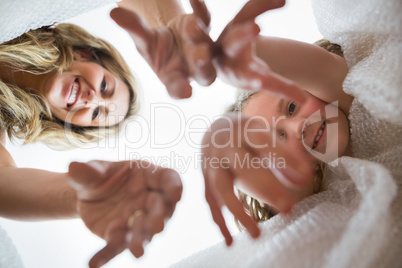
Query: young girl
column 355, row 219
column 255, row 104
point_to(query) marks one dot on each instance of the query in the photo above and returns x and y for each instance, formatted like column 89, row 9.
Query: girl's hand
column 125, row 203
column 235, row 57
column 241, row 151
column 178, row 52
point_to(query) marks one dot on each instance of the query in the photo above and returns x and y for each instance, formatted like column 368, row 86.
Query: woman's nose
column 88, row 96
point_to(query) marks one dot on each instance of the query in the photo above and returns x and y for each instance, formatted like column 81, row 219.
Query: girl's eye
column 95, row 114
column 291, row 108
column 103, row 86
column 281, row 135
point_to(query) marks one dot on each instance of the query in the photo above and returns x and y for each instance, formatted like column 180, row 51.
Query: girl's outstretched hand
column 125, row 203
column 178, row 52
column 235, row 57
column 240, row 151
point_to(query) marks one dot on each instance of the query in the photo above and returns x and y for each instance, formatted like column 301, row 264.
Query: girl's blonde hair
column 26, row 115
column 256, row 209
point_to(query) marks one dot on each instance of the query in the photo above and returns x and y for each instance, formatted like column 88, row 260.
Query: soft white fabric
column 357, row 220
column 370, row 33
column 20, row 16
column 9, row 257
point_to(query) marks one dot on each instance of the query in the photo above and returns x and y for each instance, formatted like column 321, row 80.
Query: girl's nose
column 294, row 127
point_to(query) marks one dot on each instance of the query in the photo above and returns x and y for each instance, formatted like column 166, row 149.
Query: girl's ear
column 82, row 55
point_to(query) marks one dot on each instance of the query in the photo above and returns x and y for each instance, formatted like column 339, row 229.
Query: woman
column 81, row 84
column 61, row 86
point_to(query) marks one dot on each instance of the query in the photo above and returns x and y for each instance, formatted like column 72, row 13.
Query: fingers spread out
column 199, row 60
column 137, row 237
column 224, row 185
column 85, row 174
column 167, row 182
column 201, row 11
column 240, row 38
column 115, row 245
column 158, row 212
column 177, row 84
column 253, row 8
column 134, row 25
column 216, row 212
column 197, row 46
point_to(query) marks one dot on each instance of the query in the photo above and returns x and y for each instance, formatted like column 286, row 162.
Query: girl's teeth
column 318, row 136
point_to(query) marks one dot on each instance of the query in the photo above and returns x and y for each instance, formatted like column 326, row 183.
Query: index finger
column 201, row 11
column 216, row 212
column 224, row 186
column 116, row 243
column 132, row 23
column 254, row 8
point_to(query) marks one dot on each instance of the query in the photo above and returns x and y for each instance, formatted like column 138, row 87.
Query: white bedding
column 18, row 17
column 357, row 220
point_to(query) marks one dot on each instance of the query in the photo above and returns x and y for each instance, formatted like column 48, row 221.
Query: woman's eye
column 291, row 108
column 95, row 114
column 103, row 86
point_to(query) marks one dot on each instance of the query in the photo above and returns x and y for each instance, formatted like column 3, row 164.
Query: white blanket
column 18, row 17
column 357, row 220
column 9, row 257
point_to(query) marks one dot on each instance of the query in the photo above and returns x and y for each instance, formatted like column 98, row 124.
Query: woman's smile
column 73, row 94
column 87, row 95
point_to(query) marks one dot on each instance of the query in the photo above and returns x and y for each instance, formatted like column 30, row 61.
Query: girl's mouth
column 319, row 135
column 72, row 99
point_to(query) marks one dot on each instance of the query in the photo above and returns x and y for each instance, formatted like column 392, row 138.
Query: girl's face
column 316, row 129
column 87, row 94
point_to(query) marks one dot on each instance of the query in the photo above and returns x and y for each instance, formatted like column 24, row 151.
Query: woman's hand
column 235, row 54
column 178, row 52
column 242, row 152
column 125, row 203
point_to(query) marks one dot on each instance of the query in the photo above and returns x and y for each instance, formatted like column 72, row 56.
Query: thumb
column 97, row 179
column 240, row 38
column 87, row 175
column 132, row 23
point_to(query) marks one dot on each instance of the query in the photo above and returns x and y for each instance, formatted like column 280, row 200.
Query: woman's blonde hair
column 26, row 115
column 256, row 209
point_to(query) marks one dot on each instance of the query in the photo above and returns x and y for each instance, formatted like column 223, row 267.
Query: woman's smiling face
column 319, row 129
column 87, row 94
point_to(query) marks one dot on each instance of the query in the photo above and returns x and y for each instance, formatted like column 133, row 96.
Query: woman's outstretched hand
column 240, row 151
column 178, row 52
column 125, row 203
